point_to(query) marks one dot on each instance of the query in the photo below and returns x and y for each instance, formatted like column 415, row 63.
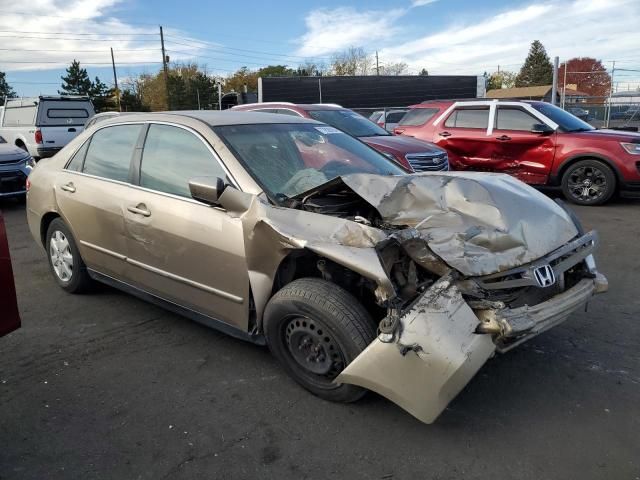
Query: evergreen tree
column 5, row 89
column 100, row 95
column 424, row 72
column 77, row 81
column 537, row 68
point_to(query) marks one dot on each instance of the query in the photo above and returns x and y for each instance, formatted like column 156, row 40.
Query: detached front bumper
column 440, row 343
column 515, row 326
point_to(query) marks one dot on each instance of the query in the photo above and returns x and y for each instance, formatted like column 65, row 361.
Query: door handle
column 141, row 209
column 68, row 187
column 444, row 134
column 503, row 138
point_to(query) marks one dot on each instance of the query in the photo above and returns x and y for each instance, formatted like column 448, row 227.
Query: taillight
column 27, row 184
column 38, row 136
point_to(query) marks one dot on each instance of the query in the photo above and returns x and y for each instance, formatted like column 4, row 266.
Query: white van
column 43, row 125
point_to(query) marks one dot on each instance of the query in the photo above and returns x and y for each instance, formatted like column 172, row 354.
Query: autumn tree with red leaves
column 597, row 82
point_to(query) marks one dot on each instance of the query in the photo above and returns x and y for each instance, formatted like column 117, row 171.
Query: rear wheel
column 315, row 329
column 64, row 258
column 588, row 182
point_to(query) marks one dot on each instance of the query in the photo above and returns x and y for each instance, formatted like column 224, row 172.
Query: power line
column 81, row 33
column 85, row 63
column 76, row 51
column 103, row 39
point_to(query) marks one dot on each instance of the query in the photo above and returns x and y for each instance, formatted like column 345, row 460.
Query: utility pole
column 613, row 70
column 564, row 85
column 115, row 80
column 164, row 67
column 198, row 94
column 377, row 64
column 554, row 87
column 219, row 96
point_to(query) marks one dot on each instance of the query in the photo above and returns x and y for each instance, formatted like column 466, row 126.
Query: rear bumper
column 515, row 326
column 44, row 152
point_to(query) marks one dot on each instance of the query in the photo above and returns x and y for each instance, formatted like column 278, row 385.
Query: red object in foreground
column 536, row 142
column 9, row 315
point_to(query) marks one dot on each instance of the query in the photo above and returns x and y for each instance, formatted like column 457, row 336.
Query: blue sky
column 444, row 36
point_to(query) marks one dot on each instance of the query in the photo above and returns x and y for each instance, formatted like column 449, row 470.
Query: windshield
column 567, row 121
column 349, row 122
column 289, row 159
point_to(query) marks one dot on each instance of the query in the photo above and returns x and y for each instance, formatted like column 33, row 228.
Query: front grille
column 11, row 182
column 428, row 162
column 13, row 162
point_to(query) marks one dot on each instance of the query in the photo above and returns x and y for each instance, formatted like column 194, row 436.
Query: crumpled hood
column 478, row 223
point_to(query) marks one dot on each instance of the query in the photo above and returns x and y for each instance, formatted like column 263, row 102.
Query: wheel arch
column 306, row 263
column 46, row 220
column 588, row 156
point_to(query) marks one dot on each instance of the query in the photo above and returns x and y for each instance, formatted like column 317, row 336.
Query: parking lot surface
column 107, row 386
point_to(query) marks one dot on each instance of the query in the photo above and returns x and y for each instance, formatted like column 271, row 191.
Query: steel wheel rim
column 61, row 256
column 587, row 183
column 314, row 349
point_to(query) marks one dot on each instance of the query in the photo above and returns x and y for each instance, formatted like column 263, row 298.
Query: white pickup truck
column 43, row 125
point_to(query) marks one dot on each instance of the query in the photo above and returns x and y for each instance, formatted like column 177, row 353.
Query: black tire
column 73, row 279
column 337, row 328
column 588, row 182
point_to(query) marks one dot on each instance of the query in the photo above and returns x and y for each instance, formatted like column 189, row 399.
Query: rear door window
column 417, row 116
column 110, row 152
column 19, row 116
column 513, row 118
column 469, row 118
column 172, row 156
column 75, row 164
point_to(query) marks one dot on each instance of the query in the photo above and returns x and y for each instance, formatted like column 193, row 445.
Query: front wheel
column 315, row 328
column 588, row 182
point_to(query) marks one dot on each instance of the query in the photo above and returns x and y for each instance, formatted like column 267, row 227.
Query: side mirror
column 542, row 129
column 207, row 189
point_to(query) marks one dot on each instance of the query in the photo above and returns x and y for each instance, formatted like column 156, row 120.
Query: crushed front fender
column 431, row 357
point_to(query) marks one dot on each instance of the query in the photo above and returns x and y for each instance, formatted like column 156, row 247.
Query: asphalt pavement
column 106, row 386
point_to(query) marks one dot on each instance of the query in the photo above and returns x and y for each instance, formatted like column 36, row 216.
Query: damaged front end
column 464, row 265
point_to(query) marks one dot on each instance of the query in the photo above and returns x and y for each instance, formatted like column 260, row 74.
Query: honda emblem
column 544, row 276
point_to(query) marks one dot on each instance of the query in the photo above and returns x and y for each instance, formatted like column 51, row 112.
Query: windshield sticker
column 327, row 130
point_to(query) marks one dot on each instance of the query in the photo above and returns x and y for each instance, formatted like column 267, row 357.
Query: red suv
column 412, row 154
column 534, row 141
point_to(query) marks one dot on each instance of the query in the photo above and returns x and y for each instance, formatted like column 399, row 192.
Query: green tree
column 130, row 101
column 502, row 79
column 424, row 72
column 5, row 89
column 276, row 71
column 102, row 96
column 242, row 77
column 77, row 81
column 537, row 68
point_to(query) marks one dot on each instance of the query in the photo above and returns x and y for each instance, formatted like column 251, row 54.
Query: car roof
column 301, row 106
column 215, row 118
column 480, row 101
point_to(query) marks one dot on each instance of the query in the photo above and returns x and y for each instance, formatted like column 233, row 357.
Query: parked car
column 388, row 121
column 536, row 142
column 286, row 231
column 15, row 167
column 101, row 117
column 10, row 317
column 43, row 125
column 414, row 155
column 581, row 113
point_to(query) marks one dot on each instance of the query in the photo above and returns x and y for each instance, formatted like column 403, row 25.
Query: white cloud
column 605, row 29
column 92, row 31
column 333, row 30
column 422, row 3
